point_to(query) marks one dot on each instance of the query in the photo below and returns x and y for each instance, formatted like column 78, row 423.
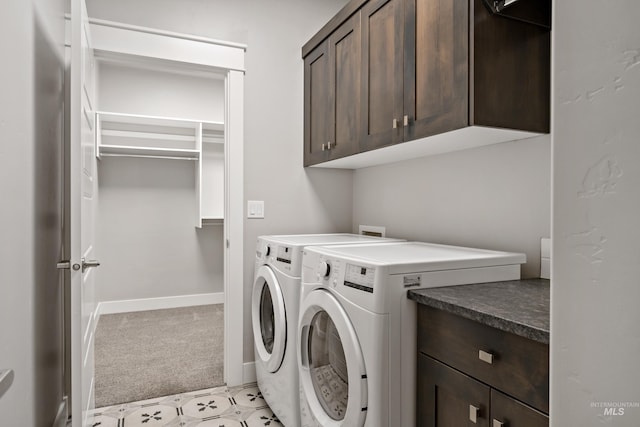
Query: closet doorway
column 168, row 139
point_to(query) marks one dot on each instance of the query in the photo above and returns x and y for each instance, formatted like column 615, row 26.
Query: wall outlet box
column 255, row 208
column 372, row 230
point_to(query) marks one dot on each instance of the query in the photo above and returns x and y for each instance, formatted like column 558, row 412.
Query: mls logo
column 613, row 411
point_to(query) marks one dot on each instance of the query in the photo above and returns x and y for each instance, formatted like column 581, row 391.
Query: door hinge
column 66, row 265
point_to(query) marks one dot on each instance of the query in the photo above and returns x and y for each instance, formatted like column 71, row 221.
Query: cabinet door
column 316, row 104
column 447, row 398
column 436, row 76
column 508, row 412
column 382, row 65
column 344, row 98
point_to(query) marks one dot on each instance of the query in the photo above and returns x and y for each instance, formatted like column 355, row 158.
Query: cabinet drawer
column 513, row 364
column 446, row 397
column 508, row 412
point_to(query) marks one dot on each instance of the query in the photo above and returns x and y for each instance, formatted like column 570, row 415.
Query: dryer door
column 332, row 372
column 268, row 319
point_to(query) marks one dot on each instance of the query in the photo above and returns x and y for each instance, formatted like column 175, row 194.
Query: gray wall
column 494, row 197
column 296, row 200
column 31, row 144
column 595, row 340
column 147, row 242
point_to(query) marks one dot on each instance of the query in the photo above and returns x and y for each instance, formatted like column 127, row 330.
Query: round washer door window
column 268, row 319
column 332, row 371
column 328, row 366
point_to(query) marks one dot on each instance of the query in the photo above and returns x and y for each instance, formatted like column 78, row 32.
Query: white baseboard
column 144, row 304
column 249, row 373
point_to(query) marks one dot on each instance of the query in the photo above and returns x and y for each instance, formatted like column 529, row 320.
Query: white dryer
column 274, row 312
column 357, row 329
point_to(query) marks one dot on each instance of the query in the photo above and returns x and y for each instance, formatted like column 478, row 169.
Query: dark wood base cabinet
column 449, row 392
column 449, row 398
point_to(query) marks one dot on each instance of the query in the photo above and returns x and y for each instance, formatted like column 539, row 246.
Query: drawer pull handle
column 485, row 357
column 497, row 423
column 473, row 414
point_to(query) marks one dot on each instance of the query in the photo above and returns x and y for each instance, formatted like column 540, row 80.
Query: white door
column 83, row 185
column 268, row 316
column 333, row 377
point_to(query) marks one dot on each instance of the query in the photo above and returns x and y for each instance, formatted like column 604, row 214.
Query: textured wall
column 595, row 343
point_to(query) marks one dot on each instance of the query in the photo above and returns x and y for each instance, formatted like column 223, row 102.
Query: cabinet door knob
column 329, row 145
column 473, row 414
column 405, row 120
column 395, row 123
column 323, row 147
column 497, row 423
column 485, row 357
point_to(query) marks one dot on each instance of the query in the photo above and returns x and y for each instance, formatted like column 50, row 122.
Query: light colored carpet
column 147, row 354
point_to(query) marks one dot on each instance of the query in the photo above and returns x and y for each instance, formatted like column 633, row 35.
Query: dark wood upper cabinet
column 381, row 78
column 436, row 74
column 425, row 68
column 316, row 104
column 332, row 95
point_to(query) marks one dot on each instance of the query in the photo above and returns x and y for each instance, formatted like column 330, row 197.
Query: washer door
column 332, row 371
column 269, row 319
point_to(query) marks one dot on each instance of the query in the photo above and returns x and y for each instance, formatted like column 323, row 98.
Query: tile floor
column 241, row 406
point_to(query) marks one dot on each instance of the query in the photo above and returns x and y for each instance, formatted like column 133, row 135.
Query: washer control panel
column 359, row 277
column 334, row 272
column 284, row 254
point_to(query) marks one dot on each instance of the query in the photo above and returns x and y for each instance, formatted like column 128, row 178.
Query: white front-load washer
column 274, row 312
column 357, row 329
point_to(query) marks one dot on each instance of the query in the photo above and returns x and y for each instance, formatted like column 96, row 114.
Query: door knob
column 89, row 264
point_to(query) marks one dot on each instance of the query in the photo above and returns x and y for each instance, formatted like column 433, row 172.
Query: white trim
column 249, row 373
column 234, row 228
column 144, row 304
column 148, row 44
column 156, row 31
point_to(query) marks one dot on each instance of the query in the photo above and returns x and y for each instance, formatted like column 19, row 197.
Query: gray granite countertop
column 517, row 306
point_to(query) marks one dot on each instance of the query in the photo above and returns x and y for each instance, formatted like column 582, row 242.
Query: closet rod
column 147, row 157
